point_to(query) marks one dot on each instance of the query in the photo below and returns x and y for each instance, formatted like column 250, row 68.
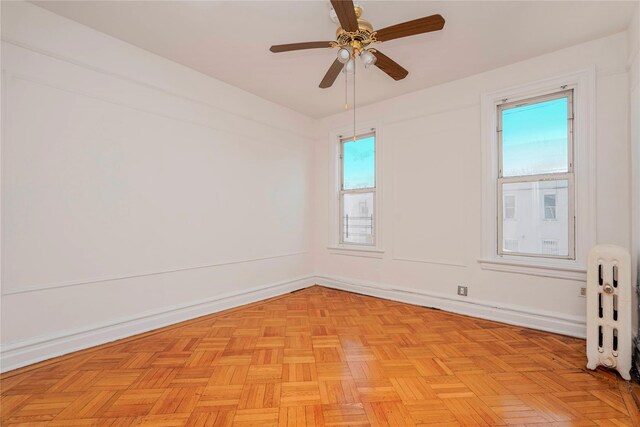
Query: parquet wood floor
column 321, row 357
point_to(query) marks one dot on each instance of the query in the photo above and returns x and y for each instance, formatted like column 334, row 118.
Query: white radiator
column 609, row 309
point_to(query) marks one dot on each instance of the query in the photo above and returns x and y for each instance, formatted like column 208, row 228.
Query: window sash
column 341, row 195
column 342, row 192
column 571, row 212
column 535, row 100
column 347, row 140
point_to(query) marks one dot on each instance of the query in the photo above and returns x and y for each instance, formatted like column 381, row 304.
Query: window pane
column 357, row 218
column 510, row 245
column 359, row 163
column 550, row 247
column 509, row 206
column 534, row 139
column 549, row 206
column 531, row 232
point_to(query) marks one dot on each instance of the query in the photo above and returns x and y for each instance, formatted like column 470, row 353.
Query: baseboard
column 23, row 353
column 574, row 326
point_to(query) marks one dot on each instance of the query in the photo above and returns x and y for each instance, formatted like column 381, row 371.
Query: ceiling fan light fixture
column 344, row 55
column 349, row 66
column 368, row 58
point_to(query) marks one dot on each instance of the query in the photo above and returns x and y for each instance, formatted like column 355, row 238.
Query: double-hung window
column 358, row 190
column 535, row 167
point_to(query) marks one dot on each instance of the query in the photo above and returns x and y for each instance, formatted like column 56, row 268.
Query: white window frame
column 583, row 84
column 562, row 176
column 335, row 244
column 343, row 192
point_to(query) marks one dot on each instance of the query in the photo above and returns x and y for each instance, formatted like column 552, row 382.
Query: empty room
column 319, row 213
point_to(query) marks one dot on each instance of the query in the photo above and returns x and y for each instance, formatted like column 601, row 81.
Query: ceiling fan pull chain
column 354, row 99
column 346, row 98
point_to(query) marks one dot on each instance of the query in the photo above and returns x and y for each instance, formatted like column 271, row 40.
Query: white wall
column 633, row 36
column 148, row 193
column 430, row 150
column 136, row 192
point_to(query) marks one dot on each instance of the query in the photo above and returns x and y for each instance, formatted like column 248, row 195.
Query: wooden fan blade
column 298, row 46
column 411, row 28
column 389, row 66
column 346, row 14
column 332, row 74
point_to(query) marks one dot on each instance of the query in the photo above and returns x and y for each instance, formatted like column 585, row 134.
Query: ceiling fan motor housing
column 357, row 39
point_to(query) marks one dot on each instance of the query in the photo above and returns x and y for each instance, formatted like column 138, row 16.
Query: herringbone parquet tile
column 321, row 357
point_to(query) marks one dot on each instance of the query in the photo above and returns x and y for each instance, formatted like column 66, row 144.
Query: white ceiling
column 230, row 40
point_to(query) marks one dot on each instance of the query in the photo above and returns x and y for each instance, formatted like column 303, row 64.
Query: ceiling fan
column 355, row 36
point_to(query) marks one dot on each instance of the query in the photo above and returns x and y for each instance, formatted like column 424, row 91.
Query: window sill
column 368, row 252
column 558, row 270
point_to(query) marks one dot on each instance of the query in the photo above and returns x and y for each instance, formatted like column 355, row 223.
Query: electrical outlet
column 583, row 292
column 462, row 291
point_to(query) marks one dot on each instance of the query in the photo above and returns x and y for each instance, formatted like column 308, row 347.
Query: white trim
column 144, row 83
column 584, row 84
column 109, row 278
column 430, row 261
column 364, row 251
column 559, row 323
column 8, row 76
column 543, row 269
column 216, row 126
column 22, row 353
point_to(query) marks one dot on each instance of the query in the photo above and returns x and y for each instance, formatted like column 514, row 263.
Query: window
column 535, row 152
column 552, row 154
column 357, row 190
column 509, row 206
column 549, row 206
